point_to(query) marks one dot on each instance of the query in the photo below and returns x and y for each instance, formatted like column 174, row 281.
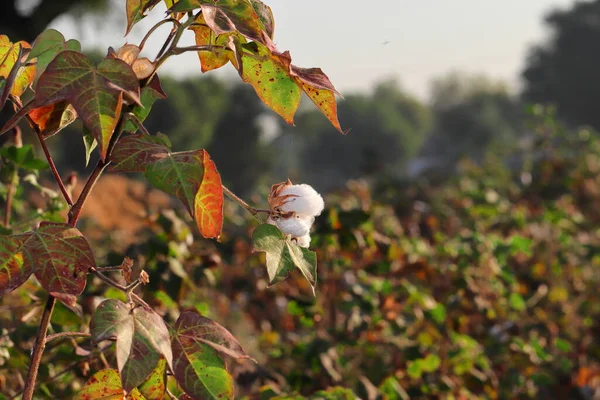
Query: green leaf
column 23, row 157
column 438, row 313
column 190, row 176
column 283, row 255
column 430, row 363
column 106, row 385
column 334, row 393
column 197, row 366
column 520, row 244
column 46, row 46
column 90, row 144
column 516, row 302
column 150, row 93
column 279, row 84
column 271, row 81
column 95, row 93
column 153, row 388
column 141, row 335
column 15, row 264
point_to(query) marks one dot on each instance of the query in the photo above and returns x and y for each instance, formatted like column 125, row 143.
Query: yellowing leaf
column 191, row 176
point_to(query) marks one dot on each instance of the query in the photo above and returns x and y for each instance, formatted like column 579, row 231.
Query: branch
column 245, row 205
column 38, row 349
column 106, row 279
column 66, row 334
column 50, row 160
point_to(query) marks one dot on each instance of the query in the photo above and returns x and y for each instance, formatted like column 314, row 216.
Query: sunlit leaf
column 283, row 256
column 141, row 335
column 15, row 267
column 95, row 93
column 106, row 385
column 153, row 388
column 53, row 118
column 205, row 36
column 271, row 81
column 12, row 59
column 197, row 366
column 47, row 45
column 190, row 176
column 136, row 11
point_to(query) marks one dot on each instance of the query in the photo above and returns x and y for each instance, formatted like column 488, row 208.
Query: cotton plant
column 293, row 210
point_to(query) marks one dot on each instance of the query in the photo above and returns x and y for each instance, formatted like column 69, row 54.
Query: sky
column 359, row 43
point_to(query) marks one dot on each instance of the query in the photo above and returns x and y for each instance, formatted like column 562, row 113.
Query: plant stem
column 75, row 211
column 155, row 27
column 66, row 334
column 132, row 117
column 114, row 284
column 241, row 202
column 38, row 349
column 12, row 188
column 50, row 160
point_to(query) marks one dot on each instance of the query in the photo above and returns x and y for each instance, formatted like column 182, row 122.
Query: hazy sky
column 358, row 43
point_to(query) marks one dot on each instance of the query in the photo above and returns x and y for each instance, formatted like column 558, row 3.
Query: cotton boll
column 303, row 200
column 303, row 241
column 295, row 226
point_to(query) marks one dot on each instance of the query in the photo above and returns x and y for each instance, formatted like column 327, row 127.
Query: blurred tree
column 387, row 128
column 237, row 146
column 472, row 115
column 25, row 19
column 191, row 111
column 565, row 71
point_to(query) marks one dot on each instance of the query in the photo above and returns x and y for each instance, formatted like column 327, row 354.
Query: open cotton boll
column 294, row 226
column 303, row 241
column 302, row 199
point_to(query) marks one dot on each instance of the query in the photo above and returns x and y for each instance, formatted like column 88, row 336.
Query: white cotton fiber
column 295, row 226
column 303, row 241
column 303, row 200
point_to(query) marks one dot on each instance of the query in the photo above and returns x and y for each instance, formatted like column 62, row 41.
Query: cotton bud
column 300, row 199
column 294, row 226
column 303, row 241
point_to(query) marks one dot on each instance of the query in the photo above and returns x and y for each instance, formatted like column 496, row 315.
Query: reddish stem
column 38, row 349
column 53, row 168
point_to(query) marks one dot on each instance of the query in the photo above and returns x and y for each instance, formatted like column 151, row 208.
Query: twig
column 138, row 123
column 179, row 50
column 114, row 284
column 12, row 188
column 50, row 160
column 241, row 202
column 66, row 334
column 155, row 27
column 38, row 349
